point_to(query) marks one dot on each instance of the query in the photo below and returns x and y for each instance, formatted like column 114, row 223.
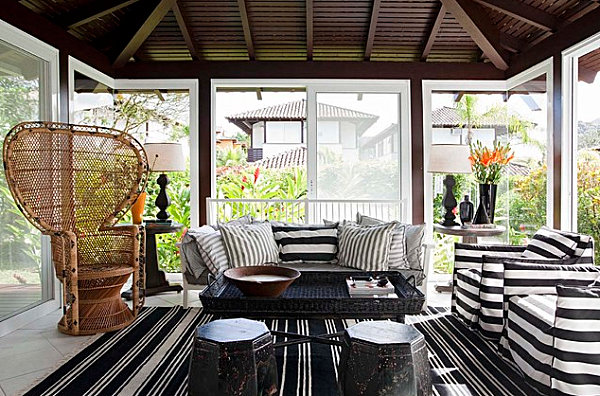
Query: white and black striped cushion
column 366, row 247
column 576, row 366
column 552, row 244
column 249, row 244
column 307, row 243
column 529, row 330
column 468, row 282
column 212, row 250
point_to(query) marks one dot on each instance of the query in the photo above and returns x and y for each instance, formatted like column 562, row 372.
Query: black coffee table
column 315, row 295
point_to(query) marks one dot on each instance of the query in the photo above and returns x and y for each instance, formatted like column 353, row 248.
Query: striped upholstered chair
column 552, row 332
column 478, row 290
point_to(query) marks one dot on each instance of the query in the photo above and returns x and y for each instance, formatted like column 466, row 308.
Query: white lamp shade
column 449, row 158
column 165, row 157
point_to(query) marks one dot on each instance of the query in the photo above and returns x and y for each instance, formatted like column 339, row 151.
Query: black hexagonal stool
column 233, row 357
column 383, row 358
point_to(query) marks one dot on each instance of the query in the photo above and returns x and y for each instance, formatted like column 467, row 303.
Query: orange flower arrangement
column 487, row 165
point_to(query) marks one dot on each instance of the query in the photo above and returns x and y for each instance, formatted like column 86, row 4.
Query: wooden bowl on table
column 262, row 280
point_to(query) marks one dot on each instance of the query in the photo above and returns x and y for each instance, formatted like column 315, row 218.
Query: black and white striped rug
column 150, row 357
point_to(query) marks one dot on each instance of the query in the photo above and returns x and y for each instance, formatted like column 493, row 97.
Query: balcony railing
column 310, row 211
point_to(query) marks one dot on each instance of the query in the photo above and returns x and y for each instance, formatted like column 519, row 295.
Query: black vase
column 467, row 210
column 487, row 204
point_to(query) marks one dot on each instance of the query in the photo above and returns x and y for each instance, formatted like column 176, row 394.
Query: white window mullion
column 311, row 142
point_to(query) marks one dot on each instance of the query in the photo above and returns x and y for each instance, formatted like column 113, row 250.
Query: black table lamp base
column 162, row 200
column 449, row 202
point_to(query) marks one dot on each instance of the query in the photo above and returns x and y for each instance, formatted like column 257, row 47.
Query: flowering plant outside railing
column 487, row 164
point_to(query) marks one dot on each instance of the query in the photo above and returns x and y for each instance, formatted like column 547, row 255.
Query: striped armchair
column 478, row 289
column 552, row 331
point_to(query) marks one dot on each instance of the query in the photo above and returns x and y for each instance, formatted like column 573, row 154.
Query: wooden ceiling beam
column 309, row 29
column 523, row 12
column 185, row 32
column 512, row 44
column 473, row 18
column 246, row 28
column 372, row 29
column 90, row 12
column 143, row 32
column 433, row 33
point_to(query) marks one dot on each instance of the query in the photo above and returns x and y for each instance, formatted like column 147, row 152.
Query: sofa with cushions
column 366, row 244
column 538, row 303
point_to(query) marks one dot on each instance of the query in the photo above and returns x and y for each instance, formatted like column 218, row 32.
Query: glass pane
column 463, row 118
column 260, row 151
column 527, row 173
column 358, row 146
column 588, row 147
column 93, row 102
column 24, row 281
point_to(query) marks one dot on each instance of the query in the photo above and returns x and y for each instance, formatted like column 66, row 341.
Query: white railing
column 303, row 210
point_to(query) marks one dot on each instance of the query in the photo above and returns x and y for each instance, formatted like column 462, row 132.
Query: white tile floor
column 34, row 351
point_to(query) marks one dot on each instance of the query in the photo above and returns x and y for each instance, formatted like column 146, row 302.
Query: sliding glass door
column 26, row 275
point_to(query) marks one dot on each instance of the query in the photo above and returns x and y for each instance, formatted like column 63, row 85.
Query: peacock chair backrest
column 75, row 178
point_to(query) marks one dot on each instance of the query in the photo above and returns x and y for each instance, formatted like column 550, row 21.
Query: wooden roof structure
column 470, row 31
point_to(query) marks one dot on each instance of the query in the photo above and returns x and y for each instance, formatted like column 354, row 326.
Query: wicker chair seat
column 74, row 183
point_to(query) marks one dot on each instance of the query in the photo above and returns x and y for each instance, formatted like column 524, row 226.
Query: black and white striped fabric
column 524, row 279
column 307, row 243
column 468, row 282
column 366, row 247
column 151, row 357
column 212, row 249
column 470, row 256
column 249, row 244
column 529, row 333
column 552, row 244
column 576, row 365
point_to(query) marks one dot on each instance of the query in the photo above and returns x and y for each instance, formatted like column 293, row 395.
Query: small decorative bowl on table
column 262, row 280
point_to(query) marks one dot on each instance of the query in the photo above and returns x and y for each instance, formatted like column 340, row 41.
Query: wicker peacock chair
column 74, row 183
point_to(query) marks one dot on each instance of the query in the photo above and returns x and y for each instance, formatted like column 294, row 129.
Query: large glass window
column 25, row 280
column 358, row 146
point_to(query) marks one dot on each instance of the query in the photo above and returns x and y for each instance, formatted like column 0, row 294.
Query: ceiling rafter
column 90, row 12
column 183, row 26
column 143, row 32
column 524, row 12
column 433, row 33
column 587, row 75
column 372, row 29
column 309, row 29
column 246, row 28
column 473, row 18
column 511, row 43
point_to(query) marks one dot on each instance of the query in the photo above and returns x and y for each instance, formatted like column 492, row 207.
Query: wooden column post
column 204, row 146
column 416, row 120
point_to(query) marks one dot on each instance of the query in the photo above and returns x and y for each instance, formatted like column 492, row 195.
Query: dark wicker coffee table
column 315, row 295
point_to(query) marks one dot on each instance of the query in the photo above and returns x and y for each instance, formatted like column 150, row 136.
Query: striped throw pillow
column 576, row 365
column 366, row 247
column 212, row 251
column 307, row 243
column 549, row 243
column 249, row 244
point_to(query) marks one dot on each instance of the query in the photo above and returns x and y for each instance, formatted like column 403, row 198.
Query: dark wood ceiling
column 375, row 30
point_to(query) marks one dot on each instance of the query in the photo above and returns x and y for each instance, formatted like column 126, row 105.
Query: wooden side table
column 469, row 235
column 156, row 281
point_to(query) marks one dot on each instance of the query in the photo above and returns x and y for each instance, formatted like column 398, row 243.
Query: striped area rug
column 151, row 357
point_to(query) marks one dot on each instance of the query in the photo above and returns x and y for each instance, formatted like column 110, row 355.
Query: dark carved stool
column 384, row 358
column 233, row 357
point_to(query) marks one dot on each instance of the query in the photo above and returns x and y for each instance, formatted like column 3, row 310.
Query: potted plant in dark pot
column 487, row 168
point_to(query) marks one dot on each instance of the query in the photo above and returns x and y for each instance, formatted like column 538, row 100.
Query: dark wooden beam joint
column 433, row 33
column 372, row 29
column 143, row 32
column 587, row 75
column 246, row 28
column 90, row 12
column 523, row 12
column 476, row 22
column 185, row 31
